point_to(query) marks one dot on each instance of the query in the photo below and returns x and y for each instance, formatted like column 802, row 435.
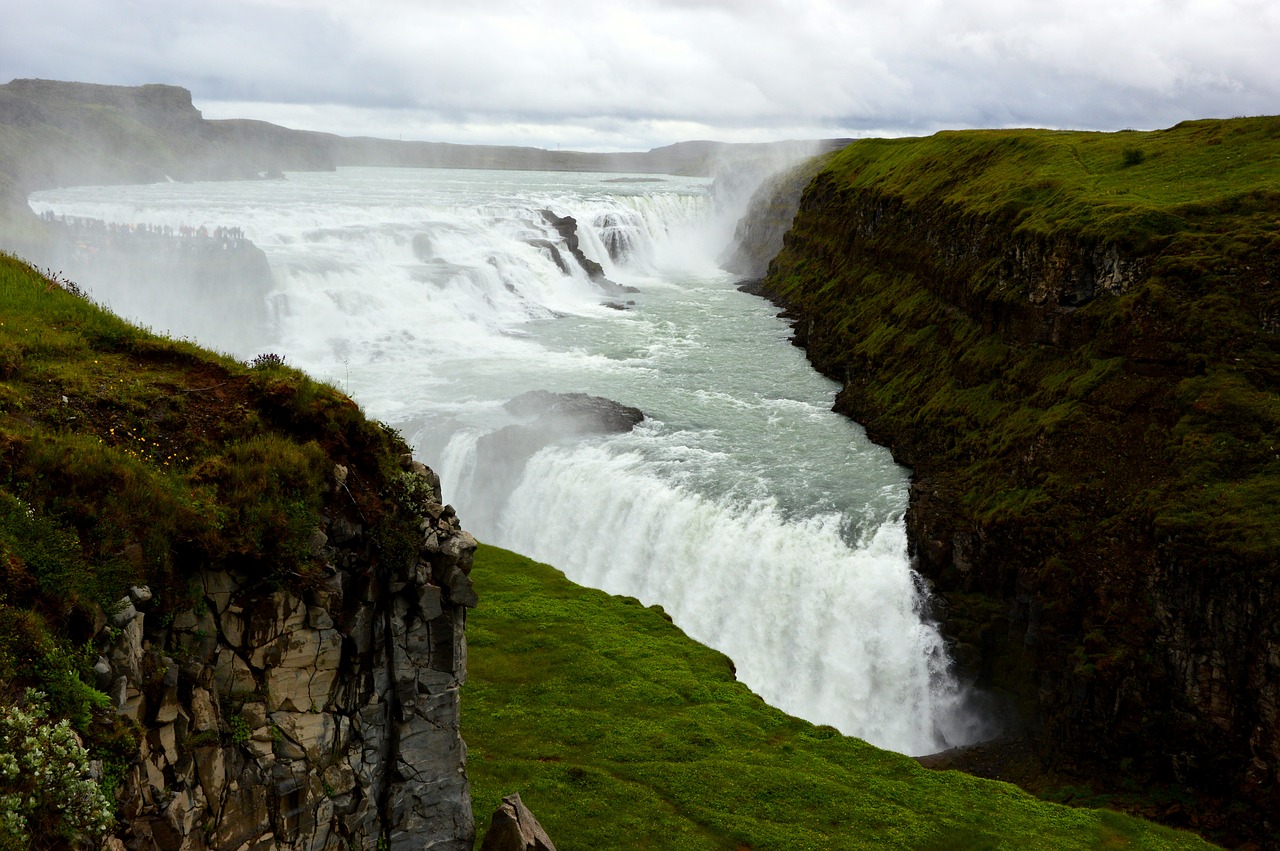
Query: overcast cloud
column 609, row 75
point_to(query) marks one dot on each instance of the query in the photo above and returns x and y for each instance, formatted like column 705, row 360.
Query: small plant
column 10, row 359
column 414, row 493
column 1134, row 156
column 46, row 792
column 266, row 360
column 62, row 282
column 203, row 739
column 240, row 731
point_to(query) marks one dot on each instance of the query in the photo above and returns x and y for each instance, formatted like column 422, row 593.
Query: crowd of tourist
column 90, row 234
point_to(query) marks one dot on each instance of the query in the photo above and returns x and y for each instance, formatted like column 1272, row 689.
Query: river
column 766, row 525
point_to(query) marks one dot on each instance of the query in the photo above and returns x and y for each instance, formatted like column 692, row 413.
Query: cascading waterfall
column 767, row 526
column 851, row 650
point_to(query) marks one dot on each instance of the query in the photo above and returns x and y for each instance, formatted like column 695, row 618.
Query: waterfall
column 842, row 644
column 768, row 526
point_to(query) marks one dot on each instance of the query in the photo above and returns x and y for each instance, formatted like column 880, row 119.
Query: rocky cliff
column 245, row 598
column 1071, row 340
column 758, row 235
column 325, row 718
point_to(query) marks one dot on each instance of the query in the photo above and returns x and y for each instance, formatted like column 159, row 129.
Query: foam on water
column 767, row 526
column 820, row 629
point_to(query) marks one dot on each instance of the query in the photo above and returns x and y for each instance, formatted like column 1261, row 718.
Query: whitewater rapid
column 767, row 526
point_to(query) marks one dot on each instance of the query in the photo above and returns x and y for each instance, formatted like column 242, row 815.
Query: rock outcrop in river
column 546, row 418
column 1082, row 373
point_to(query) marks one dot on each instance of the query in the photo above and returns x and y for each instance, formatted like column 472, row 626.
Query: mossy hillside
column 66, row 143
column 1106, row 466
column 128, row 458
column 1195, row 339
column 1134, row 187
column 621, row 732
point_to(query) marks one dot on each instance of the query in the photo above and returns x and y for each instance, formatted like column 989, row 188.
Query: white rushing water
column 768, row 527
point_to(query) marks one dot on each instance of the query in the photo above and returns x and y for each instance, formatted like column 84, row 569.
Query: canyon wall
column 1088, row 402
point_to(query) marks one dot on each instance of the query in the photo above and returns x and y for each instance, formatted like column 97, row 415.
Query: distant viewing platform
column 92, row 235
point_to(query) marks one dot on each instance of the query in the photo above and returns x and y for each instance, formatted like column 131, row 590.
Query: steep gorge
column 1078, row 359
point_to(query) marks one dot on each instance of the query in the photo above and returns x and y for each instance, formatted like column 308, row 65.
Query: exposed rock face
column 317, row 719
column 514, row 828
column 1139, row 654
column 757, row 238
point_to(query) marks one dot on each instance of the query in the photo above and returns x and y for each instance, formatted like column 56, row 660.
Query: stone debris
column 514, row 828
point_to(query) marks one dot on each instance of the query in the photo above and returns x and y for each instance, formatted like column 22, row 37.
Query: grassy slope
column 128, row 458
column 621, row 732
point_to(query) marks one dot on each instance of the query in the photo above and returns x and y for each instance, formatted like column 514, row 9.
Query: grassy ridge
column 1126, row 186
column 1097, row 489
column 127, row 458
column 621, row 732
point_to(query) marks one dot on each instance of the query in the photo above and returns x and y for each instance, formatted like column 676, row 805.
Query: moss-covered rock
column 244, row 596
column 1078, row 355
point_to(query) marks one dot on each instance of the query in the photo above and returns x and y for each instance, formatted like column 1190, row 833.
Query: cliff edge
column 1072, row 339
column 245, row 599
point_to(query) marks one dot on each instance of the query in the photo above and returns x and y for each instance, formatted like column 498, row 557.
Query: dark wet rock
column 551, row 418
column 577, row 413
column 553, row 251
column 423, row 248
column 567, row 227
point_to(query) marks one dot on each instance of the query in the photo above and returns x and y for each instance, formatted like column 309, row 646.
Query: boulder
column 514, row 828
column 552, row 417
column 576, row 413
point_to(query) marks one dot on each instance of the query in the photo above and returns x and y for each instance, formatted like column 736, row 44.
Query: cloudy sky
column 608, row 75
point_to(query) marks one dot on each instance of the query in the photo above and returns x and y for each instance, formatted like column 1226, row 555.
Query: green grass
column 1086, row 183
column 618, row 731
column 130, row 458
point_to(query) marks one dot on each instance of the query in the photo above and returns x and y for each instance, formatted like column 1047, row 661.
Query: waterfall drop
column 768, row 526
